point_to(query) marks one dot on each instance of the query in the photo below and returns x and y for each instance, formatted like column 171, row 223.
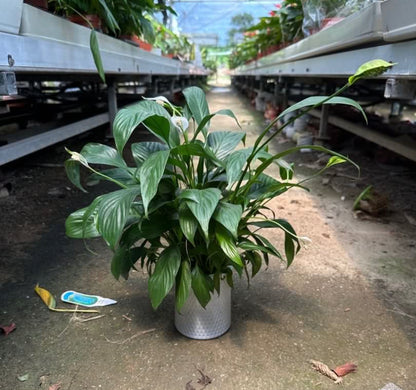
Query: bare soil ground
column 349, row 296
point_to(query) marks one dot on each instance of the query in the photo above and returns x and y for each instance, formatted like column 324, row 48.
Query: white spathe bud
column 161, row 100
column 180, row 122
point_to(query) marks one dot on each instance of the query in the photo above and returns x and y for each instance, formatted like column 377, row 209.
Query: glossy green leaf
column 317, row 101
column 222, row 143
column 113, row 211
column 187, row 222
column 228, row 215
column 197, row 103
column 227, row 244
column 294, row 149
column 76, row 227
column 127, row 119
column 162, row 127
column 201, row 286
column 96, row 153
column 371, row 68
column 335, row 160
column 150, row 174
column 156, row 225
column 255, row 259
column 266, row 243
column 183, row 284
column 264, row 184
column 202, row 125
column 203, row 205
column 290, row 241
column 95, row 51
column 73, row 173
column 110, row 20
column 124, row 259
column 122, row 175
column 235, row 163
column 142, row 150
column 250, row 246
column 162, row 279
column 363, row 195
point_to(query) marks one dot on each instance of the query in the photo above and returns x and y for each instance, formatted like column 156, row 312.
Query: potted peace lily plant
column 192, row 207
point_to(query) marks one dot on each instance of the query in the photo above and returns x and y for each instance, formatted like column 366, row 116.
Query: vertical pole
column 323, row 123
column 112, row 105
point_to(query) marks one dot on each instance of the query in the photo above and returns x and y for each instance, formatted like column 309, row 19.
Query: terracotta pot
column 42, row 4
column 328, row 22
column 93, row 19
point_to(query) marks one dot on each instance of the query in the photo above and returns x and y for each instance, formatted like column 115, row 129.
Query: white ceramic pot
column 200, row 323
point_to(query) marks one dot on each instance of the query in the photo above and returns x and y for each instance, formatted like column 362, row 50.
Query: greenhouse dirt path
column 348, row 297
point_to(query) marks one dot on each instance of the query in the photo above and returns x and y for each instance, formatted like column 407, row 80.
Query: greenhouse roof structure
column 214, row 17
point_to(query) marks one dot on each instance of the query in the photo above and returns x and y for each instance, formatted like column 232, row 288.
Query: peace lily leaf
column 183, row 284
column 127, row 119
column 77, row 227
column 263, row 185
column 204, row 206
column 286, row 152
column 151, row 173
column 95, row 51
column 206, row 119
column 371, row 68
column 163, row 277
column 124, row 259
column 112, row 213
column 235, row 163
column 228, row 215
column 227, row 245
column 265, row 242
column 223, row 143
column 122, row 175
column 73, row 173
column 188, row 223
column 197, row 103
column 96, row 153
column 255, row 260
column 335, row 160
column 200, row 286
column 142, row 150
column 155, row 226
column 162, row 127
column 249, row 246
column 316, row 101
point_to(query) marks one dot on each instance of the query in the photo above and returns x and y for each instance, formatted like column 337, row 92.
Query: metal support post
column 172, row 86
column 323, row 124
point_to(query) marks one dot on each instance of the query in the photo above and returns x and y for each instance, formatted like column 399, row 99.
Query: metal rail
column 385, row 29
column 37, row 46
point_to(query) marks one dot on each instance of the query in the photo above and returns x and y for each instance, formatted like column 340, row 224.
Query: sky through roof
column 214, row 17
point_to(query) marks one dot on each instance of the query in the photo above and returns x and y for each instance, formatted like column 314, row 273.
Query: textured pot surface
column 195, row 322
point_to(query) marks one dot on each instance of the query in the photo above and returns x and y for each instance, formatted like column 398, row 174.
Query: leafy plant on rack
column 192, row 208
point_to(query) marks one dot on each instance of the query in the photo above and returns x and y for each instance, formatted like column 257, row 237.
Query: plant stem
column 258, row 145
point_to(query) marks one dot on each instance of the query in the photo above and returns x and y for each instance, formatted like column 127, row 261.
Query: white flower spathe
column 180, row 122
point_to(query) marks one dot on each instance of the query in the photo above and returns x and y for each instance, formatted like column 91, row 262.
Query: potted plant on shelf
column 87, row 13
column 191, row 208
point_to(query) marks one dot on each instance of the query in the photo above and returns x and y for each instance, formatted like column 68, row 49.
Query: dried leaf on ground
column 205, row 380
column 56, row 386
column 345, row 369
column 8, row 328
column 188, row 386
